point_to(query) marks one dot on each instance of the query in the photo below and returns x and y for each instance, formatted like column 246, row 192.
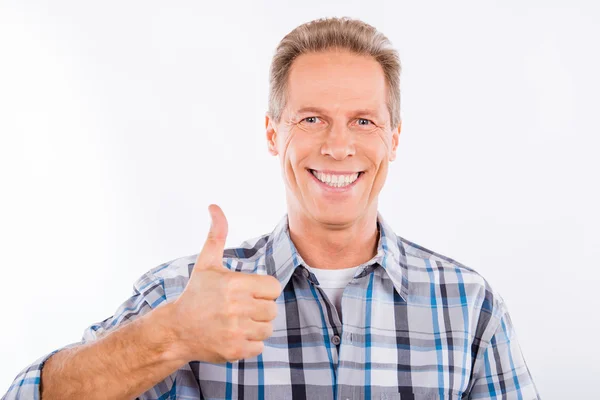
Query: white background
column 121, row 121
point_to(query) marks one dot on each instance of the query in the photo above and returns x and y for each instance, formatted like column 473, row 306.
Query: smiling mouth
column 336, row 180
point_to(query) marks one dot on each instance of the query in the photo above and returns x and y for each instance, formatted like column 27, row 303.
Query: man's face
column 334, row 138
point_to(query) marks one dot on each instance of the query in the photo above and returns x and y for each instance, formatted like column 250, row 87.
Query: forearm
column 121, row 365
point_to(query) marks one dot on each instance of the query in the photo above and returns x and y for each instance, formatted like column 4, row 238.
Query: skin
column 334, row 230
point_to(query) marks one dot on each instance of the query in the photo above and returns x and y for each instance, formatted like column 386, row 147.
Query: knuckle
column 245, row 350
column 238, row 354
column 268, row 330
column 273, row 311
column 253, row 350
column 275, row 285
column 269, row 283
column 275, row 281
column 234, row 353
column 260, row 346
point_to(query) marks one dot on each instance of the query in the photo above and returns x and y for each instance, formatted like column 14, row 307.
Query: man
column 330, row 305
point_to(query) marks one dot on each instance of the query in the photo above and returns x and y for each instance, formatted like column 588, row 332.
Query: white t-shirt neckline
column 333, row 282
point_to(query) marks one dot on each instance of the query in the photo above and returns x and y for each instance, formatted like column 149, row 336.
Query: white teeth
column 335, row 180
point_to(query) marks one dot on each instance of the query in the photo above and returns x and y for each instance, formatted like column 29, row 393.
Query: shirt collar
column 282, row 258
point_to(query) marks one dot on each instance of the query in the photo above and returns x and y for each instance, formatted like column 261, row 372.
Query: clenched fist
column 223, row 315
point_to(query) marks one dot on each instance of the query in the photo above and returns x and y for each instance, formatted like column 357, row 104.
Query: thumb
column 212, row 253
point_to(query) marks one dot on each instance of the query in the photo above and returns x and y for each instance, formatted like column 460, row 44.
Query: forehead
column 336, row 81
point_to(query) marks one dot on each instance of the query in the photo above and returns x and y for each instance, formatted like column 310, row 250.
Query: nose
column 339, row 143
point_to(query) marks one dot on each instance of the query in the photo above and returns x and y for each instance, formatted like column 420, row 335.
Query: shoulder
column 453, row 280
column 166, row 281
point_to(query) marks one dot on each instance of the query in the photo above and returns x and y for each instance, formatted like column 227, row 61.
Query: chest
column 380, row 347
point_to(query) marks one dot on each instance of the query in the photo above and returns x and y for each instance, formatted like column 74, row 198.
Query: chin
column 333, row 215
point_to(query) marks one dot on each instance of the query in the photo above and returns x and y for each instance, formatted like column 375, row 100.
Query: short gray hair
column 334, row 33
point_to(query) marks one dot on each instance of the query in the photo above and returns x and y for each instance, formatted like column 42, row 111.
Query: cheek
column 283, row 148
column 376, row 152
column 297, row 149
column 292, row 154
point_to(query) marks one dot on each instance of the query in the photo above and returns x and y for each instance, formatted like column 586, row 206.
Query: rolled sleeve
column 27, row 383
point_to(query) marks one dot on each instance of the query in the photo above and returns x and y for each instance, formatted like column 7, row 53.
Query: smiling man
column 331, row 304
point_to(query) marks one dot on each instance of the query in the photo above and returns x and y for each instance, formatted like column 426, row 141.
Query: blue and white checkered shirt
column 416, row 325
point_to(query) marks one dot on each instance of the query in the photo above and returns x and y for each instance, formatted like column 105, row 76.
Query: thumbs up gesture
column 223, row 315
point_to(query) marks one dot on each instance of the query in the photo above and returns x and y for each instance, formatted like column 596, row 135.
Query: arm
column 134, row 326
column 219, row 316
column 121, row 364
column 502, row 370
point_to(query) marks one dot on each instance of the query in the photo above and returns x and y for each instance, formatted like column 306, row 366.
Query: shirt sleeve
column 502, row 370
column 147, row 293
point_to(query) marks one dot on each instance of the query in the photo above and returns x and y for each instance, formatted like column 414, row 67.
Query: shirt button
column 335, row 340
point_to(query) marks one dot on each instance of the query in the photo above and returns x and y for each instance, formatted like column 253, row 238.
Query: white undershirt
column 333, row 282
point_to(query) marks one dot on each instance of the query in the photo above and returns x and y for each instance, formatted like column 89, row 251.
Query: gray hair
column 334, row 33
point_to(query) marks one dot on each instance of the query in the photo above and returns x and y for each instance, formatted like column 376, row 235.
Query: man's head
column 334, row 116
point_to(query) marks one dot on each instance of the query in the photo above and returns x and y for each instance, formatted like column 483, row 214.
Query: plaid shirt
column 416, row 325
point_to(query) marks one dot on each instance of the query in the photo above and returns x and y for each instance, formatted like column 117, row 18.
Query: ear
column 395, row 139
column 271, row 135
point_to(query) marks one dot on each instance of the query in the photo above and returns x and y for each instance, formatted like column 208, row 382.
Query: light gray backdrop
column 121, row 121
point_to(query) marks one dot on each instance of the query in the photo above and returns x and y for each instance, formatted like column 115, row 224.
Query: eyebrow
column 363, row 111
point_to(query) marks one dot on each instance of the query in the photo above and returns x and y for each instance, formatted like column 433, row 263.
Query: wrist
column 163, row 325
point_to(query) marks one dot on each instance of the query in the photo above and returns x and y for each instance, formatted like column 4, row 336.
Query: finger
column 212, row 252
column 265, row 287
column 262, row 310
column 258, row 331
column 252, row 348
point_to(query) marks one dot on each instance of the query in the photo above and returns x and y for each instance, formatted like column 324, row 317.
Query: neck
column 327, row 246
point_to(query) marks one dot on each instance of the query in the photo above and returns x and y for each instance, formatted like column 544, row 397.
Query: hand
column 223, row 315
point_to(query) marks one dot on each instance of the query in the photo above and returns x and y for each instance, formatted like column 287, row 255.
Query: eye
column 364, row 119
column 311, row 122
